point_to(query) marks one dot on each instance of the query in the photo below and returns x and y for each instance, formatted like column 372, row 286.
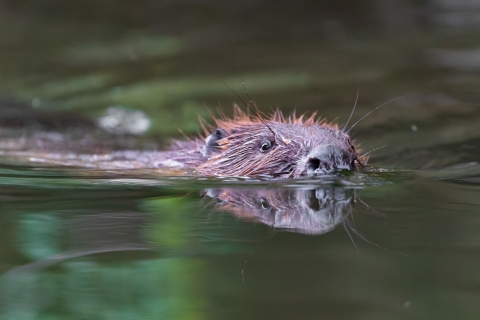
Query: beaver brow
column 255, row 112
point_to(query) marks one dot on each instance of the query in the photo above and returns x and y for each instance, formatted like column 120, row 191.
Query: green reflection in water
column 162, row 288
column 172, row 224
column 39, row 235
column 183, row 226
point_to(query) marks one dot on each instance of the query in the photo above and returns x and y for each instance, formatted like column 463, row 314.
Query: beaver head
column 278, row 146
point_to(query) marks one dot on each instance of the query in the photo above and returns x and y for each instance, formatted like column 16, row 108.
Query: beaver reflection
column 312, row 211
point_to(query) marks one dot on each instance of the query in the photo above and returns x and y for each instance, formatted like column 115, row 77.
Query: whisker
column 377, row 109
column 345, row 226
column 363, row 155
column 369, row 207
column 251, row 109
column 353, row 110
column 248, row 96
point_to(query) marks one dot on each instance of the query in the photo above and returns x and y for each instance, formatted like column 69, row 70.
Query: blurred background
column 99, row 75
column 168, row 59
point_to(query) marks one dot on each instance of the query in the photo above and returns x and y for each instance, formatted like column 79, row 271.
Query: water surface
column 399, row 240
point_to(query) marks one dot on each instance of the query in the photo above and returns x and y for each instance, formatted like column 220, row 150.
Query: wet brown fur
column 295, row 146
column 237, row 153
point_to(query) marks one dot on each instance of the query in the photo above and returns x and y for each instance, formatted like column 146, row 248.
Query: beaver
column 248, row 144
column 275, row 145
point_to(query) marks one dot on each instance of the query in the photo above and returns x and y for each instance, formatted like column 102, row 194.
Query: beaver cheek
column 325, row 159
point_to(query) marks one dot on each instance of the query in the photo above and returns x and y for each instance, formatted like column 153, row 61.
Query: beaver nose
column 329, row 158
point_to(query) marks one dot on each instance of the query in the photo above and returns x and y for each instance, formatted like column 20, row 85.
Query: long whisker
column 353, row 110
column 250, row 108
column 369, row 207
column 363, row 155
column 248, row 96
column 377, row 109
column 256, row 112
column 345, row 226
column 361, row 236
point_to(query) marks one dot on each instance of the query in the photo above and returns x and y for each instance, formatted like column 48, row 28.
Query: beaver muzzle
column 328, row 159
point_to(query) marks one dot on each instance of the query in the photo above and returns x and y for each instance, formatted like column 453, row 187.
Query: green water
column 398, row 241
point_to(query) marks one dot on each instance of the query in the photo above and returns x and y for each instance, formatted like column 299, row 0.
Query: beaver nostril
column 313, row 163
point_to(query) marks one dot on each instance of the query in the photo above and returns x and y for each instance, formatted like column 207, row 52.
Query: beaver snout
column 328, row 158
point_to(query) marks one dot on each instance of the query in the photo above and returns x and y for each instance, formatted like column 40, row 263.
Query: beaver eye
column 266, row 145
column 264, row 203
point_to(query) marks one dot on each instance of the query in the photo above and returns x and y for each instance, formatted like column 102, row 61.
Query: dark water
column 398, row 241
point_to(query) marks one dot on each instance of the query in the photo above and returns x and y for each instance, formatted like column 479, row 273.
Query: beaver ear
column 211, row 141
column 220, row 133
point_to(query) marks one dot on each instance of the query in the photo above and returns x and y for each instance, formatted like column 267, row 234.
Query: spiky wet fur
column 238, row 153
